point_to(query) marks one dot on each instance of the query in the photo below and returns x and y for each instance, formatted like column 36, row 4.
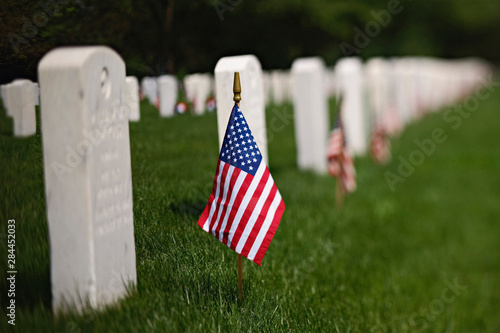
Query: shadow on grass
column 188, row 208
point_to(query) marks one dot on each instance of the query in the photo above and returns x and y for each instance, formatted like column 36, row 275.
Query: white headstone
column 377, row 87
column 406, row 89
column 132, row 98
column 349, row 79
column 88, row 181
column 252, row 96
column 167, row 90
column 21, row 106
column 149, row 88
column 198, row 88
column 310, row 104
column 202, row 92
column 190, row 86
column 36, row 92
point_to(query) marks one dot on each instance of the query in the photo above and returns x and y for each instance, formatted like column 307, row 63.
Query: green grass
column 382, row 264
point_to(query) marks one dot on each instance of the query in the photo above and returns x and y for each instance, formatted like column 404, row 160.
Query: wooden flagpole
column 339, row 195
column 237, row 99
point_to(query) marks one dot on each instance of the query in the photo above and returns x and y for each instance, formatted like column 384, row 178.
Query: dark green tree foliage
column 168, row 36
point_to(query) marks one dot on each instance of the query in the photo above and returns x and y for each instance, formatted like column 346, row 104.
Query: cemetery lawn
column 425, row 257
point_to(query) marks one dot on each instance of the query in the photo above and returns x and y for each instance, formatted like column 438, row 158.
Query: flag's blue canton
column 239, row 147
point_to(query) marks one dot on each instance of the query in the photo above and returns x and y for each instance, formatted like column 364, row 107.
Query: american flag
column 340, row 162
column 380, row 145
column 245, row 207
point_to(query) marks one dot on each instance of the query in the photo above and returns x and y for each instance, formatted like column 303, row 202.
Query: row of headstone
column 401, row 90
column 19, row 100
column 391, row 93
column 21, row 96
column 381, row 93
column 163, row 92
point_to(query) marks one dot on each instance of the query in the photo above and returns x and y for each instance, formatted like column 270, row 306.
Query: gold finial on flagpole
column 237, row 88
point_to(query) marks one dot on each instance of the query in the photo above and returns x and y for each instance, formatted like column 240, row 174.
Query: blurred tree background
column 185, row 36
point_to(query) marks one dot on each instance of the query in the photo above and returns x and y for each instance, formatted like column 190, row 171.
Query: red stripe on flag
column 258, row 223
column 219, row 197
column 270, row 233
column 232, row 182
column 249, row 209
column 237, row 202
column 216, row 218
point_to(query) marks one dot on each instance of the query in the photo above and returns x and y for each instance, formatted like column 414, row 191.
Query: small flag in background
column 380, row 145
column 340, row 162
column 157, row 103
column 245, row 207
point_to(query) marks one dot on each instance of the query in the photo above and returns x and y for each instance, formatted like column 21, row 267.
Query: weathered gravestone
column 88, row 183
column 21, row 106
column 132, row 98
column 252, row 96
column 311, row 113
column 168, row 91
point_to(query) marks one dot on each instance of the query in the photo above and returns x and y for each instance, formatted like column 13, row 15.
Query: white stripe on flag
column 236, row 190
column 214, row 202
column 265, row 226
column 227, row 182
column 255, row 214
column 244, row 203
